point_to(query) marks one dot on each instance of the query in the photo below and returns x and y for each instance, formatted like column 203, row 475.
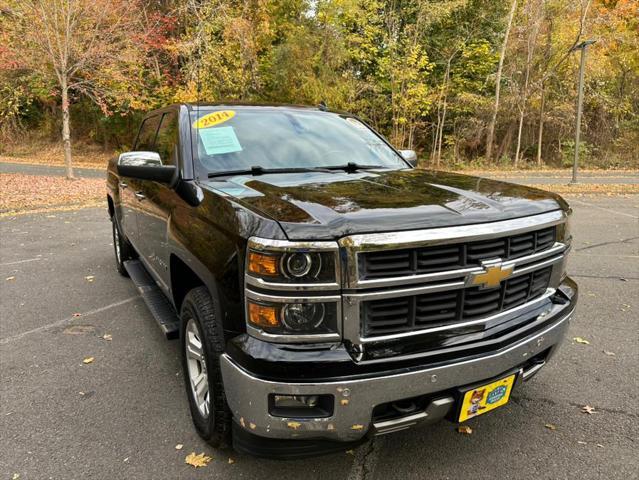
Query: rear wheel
column 202, row 344
column 123, row 249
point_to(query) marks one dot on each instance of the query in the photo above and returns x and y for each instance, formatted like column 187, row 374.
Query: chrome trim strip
column 293, row 338
column 291, row 287
column 532, row 304
column 261, row 244
column 403, row 292
column 447, row 274
column 437, row 236
column 526, row 374
column 436, row 410
column 264, row 297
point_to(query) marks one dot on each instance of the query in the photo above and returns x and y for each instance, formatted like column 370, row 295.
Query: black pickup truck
column 323, row 289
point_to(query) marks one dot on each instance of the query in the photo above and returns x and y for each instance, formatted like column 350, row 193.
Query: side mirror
column 146, row 166
column 410, row 156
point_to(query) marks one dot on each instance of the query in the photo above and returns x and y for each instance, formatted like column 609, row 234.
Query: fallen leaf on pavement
column 581, row 340
column 600, row 445
column 196, row 461
column 550, row 426
column 78, row 330
column 231, row 461
column 179, row 446
column 15, row 476
column 89, row 278
column 8, row 279
column 465, row 429
column 588, row 409
column 40, row 192
column 107, row 337
column 88, row 360
column 350, row 452
column 610, row 354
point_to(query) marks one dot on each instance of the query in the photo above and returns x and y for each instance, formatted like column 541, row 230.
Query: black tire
column 199, row 307
column 122, row 248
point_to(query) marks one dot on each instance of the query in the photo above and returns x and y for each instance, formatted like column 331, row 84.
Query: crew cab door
column 156, row 200
column 129, row 186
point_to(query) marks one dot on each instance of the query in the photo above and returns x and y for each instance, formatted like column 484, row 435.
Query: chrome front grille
column 405, row 314
column 412, row 261
column 426, row 287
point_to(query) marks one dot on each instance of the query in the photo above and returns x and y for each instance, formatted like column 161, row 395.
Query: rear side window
column 167, row 138
column 146, row 137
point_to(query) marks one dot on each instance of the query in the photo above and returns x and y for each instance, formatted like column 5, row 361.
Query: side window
column 167, row 138
column 146, row 137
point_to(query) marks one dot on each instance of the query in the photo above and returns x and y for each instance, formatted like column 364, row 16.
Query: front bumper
column 355, row 399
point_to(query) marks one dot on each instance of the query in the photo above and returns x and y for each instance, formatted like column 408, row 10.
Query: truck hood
column 319, row 205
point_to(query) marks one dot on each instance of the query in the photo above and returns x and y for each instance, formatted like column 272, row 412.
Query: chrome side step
column 157, row 303
column 436, row 410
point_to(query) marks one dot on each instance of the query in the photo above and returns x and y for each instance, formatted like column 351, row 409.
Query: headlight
column 295, row 318
column 276, row 261
column 299, row 265
column 293, row 291
column 564, row 233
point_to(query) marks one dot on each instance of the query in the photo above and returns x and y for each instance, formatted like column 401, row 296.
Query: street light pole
column 580, row 97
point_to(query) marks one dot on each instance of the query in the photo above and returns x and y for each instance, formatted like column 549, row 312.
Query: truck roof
column 192, row 105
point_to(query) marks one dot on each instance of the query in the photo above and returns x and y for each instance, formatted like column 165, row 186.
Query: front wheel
column 123, row 249
column 202, row 345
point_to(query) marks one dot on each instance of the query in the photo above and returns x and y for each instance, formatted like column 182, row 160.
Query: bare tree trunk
column 540, row 134
column 521, row 125
column 66, row 129
column 441, row 114
column 502, row 55
column 441, row 132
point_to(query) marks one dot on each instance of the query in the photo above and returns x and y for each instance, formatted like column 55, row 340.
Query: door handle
column 123, row 185
column 140, row 195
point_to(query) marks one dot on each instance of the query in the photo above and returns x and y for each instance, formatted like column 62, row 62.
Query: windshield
column 236, row 138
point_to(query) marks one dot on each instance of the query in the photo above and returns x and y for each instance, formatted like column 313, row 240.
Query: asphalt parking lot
column 122, row 415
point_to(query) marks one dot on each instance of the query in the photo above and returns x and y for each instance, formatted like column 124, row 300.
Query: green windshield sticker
column 220, row 140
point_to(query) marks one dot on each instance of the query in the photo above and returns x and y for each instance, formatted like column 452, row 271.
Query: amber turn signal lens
column 262, row 264
column 263, row 315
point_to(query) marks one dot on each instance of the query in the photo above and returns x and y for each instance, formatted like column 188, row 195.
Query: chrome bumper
column 247, row 395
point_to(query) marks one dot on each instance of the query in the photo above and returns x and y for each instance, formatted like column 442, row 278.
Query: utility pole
column 580, row 98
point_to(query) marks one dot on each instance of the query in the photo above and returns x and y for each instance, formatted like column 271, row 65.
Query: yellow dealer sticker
column 215, row 118
column 486, row 398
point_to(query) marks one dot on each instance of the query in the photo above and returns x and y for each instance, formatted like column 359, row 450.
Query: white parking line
column 581, row 202
column 20, row 261
column 64, row 321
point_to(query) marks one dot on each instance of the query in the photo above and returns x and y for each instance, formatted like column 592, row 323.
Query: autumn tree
column 85, row 47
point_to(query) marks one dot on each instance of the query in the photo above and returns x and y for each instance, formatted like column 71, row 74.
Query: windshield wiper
column 352, row 167
column 257, row 170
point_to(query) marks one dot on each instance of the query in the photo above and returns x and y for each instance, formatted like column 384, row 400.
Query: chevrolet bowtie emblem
column 494, row 273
